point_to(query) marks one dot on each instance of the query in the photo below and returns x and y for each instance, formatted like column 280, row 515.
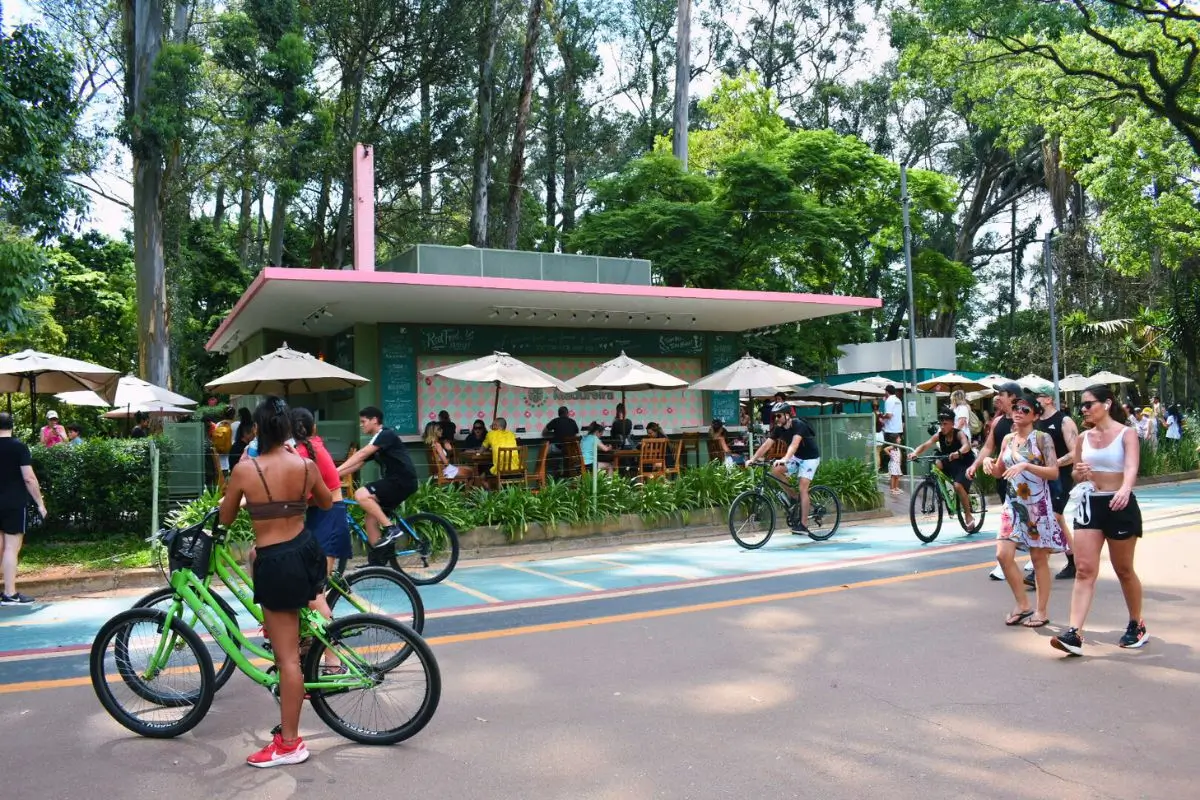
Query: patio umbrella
column 822, row 392
column 131, row 391
column 950, row 381
column 282, row 370
column 1032, row 382
column 34, row 372
column 1106, row 377
column 881, row 381
column 747, row 373
column 500, row 369
column 861, row 388
column 992, row 380
column 626, row 374
column 153, row 409
column 1074, row 383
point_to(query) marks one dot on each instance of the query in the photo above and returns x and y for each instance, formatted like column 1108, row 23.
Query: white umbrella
column 34, row 372
column 500, row 369
column 861, row 388
column 1105, row 377
column 285, row 370
column 131, row 391
column 626, row 374
column 747, row 373
column 991, row 381
column 1074, row 383
column 823, row 392
column 881, row 381
column 950, row 381
column 153, row 409
column 1032, row 382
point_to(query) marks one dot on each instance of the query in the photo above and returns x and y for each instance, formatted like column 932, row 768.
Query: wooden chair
column 510, row 466
column 572, row 465
column 673, row 471
column 537, row 478
column 652, row 458
column 691, row 444
column 436, row 465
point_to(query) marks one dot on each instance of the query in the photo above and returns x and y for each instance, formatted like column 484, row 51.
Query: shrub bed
column 100, row 486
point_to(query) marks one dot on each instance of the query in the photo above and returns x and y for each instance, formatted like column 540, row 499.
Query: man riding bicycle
column 955, row 445
column 801, row 459
column 379, row 499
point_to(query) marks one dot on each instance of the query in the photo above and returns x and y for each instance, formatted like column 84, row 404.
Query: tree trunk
column 483, row 139
column 143, row 35
column 426, row 152
column 551, row 167
column 343, row 222
column 516, row 173
column 316, row 257
column 278, row 225
column 219, row 209
column 1012, row 276
column 245, row 204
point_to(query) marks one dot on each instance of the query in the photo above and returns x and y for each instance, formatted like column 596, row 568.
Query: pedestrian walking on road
column 1027, row 462
column 1107, row 457
column 1063, row 431
column 18, row 484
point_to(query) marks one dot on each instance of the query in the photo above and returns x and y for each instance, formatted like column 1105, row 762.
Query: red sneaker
column 276, row 755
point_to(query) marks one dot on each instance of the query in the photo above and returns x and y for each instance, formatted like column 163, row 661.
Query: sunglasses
column 1087, row 404
column 1022, row 409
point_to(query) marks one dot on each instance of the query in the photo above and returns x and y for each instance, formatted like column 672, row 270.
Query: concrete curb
column 149, row 578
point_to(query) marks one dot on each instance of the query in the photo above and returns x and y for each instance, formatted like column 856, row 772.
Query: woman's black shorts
column 288, row 575
column 1095, row 514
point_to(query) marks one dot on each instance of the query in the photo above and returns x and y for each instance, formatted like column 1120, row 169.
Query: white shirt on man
column 895, row 422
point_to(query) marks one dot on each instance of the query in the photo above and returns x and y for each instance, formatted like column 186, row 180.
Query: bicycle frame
column 362, row 534
column 944, row 485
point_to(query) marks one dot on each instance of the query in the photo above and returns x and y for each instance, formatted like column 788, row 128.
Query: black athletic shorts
column 288, row 575
column 390, row 492
column 12, row 520
column 1095, row 514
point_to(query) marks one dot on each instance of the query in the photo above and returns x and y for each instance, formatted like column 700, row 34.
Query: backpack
column 974, row 423
column 222, row 437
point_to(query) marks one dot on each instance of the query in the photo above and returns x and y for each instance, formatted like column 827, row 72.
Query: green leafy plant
column 854, row 481
column 556, row 502
column 194, row 511
column 656, row 499
column 511, row 508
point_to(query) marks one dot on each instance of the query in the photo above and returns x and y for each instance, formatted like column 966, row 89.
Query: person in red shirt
column 329, row 526
column 53, row 432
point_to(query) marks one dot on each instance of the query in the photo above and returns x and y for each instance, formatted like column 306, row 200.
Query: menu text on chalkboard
column 723, row 352
column 398, row 377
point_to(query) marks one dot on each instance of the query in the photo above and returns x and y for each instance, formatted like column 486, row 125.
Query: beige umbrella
column 627, row 374
column 283, row 371
column 1074, row 383
column 950, row 381
column 861, row 388
column 500, row 369
column 153, row 409
column 747, row 373
column 992, row 380
column 1105, row 377
column 881, row 381
column 34, row 372
column 823, row 392
column 1032, row 382
column 131, row 391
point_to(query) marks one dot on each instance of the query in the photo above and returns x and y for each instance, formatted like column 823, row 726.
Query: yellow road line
column 478, row 595
column 552, row 577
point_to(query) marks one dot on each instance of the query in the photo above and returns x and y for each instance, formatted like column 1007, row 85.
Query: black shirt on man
column 14, row 454
column 392, row 457
column 562, row 429
column 808, row 440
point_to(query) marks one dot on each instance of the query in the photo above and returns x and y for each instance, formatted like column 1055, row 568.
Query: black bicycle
column 752, row 513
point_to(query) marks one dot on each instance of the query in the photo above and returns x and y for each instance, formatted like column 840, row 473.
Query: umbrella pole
column 33, row 406
column 496, row 402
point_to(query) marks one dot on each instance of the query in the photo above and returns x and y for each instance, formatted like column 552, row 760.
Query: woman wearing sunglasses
column 1107, row 457
column 1027, row 461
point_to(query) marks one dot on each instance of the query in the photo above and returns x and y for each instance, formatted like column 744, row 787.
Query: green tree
column 22, row 263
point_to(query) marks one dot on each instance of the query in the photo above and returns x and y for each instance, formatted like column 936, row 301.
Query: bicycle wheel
column 978, row 510
column 165, row 703
column 223, row 663
column 404, row 685
column 379, row 590
column 824, row 513
column 429, row 553
column 751, row 519
column 925, row 512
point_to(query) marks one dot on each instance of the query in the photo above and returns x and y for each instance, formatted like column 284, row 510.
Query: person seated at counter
column 475, row 438
column 561, row 429
column 441, row 454
column 622, row 426
column 499, row 437
column 718, row 445
column 655, row 431
column 591, row 443
column 446, row 427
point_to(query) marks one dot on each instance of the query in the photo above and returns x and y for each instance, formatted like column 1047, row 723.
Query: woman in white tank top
column 1107, row 457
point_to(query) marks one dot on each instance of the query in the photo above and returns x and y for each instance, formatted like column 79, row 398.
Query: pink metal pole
column 363, row 220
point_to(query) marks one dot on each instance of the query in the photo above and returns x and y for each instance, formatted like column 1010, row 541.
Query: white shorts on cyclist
column 802, row 467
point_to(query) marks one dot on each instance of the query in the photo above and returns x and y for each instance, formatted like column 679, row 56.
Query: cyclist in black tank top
column 1063, row 432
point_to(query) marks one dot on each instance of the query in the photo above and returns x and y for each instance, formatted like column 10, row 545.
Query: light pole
column 1048, row 262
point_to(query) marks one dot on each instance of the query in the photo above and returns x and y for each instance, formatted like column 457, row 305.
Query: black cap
column 1011, row 387
column 945, row 416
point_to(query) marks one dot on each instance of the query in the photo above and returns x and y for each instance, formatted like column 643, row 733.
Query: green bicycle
column 371, row 590
column 154, row 675
column 935, row 496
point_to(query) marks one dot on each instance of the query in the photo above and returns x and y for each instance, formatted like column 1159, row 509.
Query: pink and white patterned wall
column 533, row 408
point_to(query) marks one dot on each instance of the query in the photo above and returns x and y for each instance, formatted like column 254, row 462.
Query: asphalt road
column 872, row 671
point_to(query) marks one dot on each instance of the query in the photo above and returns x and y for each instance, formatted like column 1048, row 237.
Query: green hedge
column 100, row 486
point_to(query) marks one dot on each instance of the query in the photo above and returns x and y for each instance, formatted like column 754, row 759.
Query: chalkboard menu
column 723, row 352
column 398, row 377
column 481, row 340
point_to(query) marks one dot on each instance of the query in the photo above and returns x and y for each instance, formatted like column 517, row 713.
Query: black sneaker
column 800, row 530
column 1135, row 635
column 17, row 599
column 1066, row 573
column 1069, row 642
column 1030, row 581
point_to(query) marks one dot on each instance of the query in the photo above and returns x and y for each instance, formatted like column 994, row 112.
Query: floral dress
column 1028, row 518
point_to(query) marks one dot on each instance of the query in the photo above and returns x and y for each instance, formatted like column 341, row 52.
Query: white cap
column 51, row 414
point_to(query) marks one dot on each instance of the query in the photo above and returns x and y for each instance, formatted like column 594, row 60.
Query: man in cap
column 801, row 458
column 1063, row 432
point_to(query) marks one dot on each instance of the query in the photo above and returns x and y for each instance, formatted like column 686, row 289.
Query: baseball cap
column 945, row 416
column 1148, row 410
column 1010, row 387
column 51, row 414
column 1044, row 390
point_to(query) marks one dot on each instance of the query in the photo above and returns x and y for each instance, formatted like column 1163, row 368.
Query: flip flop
column 1018, row 618
column 1033, row 622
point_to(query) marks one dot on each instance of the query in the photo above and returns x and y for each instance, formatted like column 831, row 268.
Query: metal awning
column 320, row 302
